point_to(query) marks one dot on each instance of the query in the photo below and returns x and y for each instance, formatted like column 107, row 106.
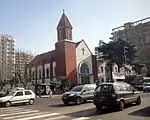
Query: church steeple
column 64, row 28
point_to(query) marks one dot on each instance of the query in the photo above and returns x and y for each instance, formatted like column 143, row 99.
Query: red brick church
column 71, row 59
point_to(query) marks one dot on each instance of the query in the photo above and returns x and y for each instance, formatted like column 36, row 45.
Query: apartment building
column 136, row 33
column 7, row 44
column 22, row 58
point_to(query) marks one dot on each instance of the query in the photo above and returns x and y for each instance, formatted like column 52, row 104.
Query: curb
column 47, row 96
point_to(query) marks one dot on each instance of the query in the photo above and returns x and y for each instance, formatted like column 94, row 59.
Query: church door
column 85, row 80
column 84, row 74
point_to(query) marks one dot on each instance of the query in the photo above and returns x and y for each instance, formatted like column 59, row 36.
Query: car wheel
column 66, row 103
column 121, row 105
column 8, row 104
column 31, row 101
column 138, row 102
column 78, row 101
column 85, row 101
column 99, row 108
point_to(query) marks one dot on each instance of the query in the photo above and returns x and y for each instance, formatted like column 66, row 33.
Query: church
column 70, row 59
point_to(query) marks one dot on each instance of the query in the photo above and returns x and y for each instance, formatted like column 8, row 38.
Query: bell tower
column 65, row 50
column 64, row 28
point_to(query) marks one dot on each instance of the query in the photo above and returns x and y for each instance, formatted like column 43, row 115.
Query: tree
column 119, row 52
column 22, row 60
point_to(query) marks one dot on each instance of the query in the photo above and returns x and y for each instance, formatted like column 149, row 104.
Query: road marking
column 26, row 115
column 39, row 116
column 3, row 115
column 56, row 118
column 9, row 109
column 14, row 111
column 81, row 118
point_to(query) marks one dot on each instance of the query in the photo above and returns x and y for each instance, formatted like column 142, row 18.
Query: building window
column 60, row 34
column 84, row 69
column 116, row 70
column 47, row 72
column 102, row 69
column 69, row 34
column 33, row 75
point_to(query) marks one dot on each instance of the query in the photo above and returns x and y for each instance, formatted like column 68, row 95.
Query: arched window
column 84, row 69
column 40, row 74
column 47, row 72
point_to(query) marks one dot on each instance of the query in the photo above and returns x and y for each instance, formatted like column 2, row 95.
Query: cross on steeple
column 63, row 11
column 83, row 50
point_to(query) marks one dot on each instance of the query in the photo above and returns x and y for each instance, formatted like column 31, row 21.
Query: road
column 53, row 109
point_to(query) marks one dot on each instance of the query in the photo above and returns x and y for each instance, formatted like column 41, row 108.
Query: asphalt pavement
column 46, row 108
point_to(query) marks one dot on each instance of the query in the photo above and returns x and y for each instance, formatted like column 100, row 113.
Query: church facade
column 69, row 59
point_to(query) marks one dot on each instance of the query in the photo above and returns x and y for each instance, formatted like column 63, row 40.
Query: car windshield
column 11, row 94
column 104, row 88
column 77, row 88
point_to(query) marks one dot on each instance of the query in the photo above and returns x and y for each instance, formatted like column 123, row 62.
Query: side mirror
column 134, row 90
column 83, row 91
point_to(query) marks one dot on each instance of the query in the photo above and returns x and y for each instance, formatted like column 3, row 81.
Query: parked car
column 116, row 95
column 146, row 87
column 79, row 94
column 20, row 96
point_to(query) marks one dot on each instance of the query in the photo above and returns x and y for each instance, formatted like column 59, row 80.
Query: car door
column 91, row 92
column 85, row 93
column 126, row 93
column 18, row 97
column 28, row 95
column 134, row 94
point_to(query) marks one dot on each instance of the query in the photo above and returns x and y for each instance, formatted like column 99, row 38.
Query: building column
column 43, row 71
column 51, row 70
column 35, row 77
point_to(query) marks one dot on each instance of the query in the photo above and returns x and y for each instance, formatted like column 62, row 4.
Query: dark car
column 115, row 95
column 146, row 87
column 79, row 94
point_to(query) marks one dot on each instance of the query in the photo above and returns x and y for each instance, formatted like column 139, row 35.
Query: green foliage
column 65, row 82
column 116, row 51
column 119, row 52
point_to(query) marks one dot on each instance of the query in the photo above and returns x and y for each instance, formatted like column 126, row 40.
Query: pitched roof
column 43, row 57
column 64, row 22
column 77, row 43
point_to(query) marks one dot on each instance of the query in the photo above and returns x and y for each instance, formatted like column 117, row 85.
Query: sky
column 33, row 22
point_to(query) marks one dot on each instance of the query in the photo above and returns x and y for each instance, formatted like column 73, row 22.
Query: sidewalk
column 47, row 96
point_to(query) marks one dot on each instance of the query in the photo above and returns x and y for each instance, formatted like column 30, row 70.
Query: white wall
column 33, row 70
column 54, row 66
column 86, row 57
column 45, row 68
column 39, row 67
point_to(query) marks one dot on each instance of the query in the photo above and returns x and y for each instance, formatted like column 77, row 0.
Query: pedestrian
column 38, row 92
column 50, row 93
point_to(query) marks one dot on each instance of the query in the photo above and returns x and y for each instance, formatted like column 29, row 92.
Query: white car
column 20, row 96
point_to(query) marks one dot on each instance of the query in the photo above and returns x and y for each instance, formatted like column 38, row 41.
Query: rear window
column 118, row 88
column 28, row 93
column 104, row 88
column 77, row 89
